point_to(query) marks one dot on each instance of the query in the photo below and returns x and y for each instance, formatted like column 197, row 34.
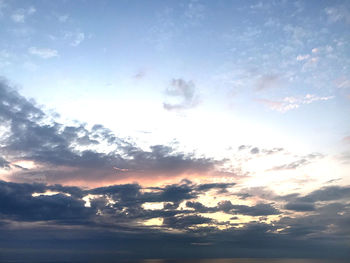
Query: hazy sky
column 138, row 129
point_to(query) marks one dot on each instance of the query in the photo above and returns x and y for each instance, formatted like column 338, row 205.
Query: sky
column 174, row 129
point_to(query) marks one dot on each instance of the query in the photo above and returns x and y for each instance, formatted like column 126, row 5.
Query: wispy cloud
column 20, row 15
column 338, row 14
column 75, row 38
column 290, row 103
column 43, row 52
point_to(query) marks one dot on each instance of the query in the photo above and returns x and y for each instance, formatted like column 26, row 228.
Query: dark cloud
column 300, row 206
column 329, row 193
column 256, row 210
column 254, row 150
column 63, row 222
column 184, row 92
column 35, row 136
column 4, row 163
column 18, row 203
column 183, row 222
column 229, row 208
column 107, row 222
column 221, row 187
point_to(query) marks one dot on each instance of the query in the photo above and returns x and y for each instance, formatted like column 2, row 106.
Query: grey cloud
column 55, row 144
column 184, row 92
column 93, row 224
column 4, row 163
column 256, row 210
column 300, row 206
column 243, row 147
column 329, row 193
column 183, row 222
column 227, row 207
column 221, row 187
column 304, row 160
column 272, row 151
column 255, row 150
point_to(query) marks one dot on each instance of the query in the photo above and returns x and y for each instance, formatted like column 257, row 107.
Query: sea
column 243, row 260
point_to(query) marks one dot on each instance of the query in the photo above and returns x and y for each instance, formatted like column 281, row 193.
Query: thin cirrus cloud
column 20, row 15
column 75, row 38
column 45, row 53
column 291, row 103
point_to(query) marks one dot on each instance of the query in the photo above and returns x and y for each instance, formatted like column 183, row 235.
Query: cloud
column 338, row 14
column 43, row 52
column 300, row 207
column 268, row 81
column 29, row 214
column 194, row 13
column 20, row 15
column 303, row 57
column 304, row 160
column 79, row 37
column 290, row 103
column 4, row 163
column 75, row 38
column 254, row 150
column 342, row 83
column 54, row 147
column 184, row 94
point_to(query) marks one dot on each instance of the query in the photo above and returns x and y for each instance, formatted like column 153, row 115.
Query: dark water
column 241, row 260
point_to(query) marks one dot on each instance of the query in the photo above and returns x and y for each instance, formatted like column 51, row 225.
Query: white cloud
column 78, row 39
column 303, row 57
column 43, row 52
column 74, row 38
column 21, row 14
column 290, row 103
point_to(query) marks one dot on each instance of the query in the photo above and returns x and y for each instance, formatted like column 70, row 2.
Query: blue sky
column 250, row 98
